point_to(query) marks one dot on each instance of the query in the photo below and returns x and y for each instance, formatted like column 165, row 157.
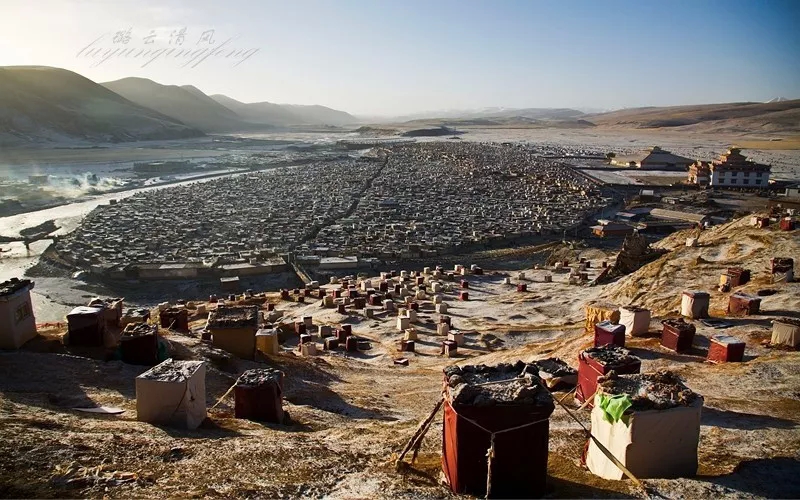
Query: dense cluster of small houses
column 433, row 197
column 421, row 200
column 236, row 219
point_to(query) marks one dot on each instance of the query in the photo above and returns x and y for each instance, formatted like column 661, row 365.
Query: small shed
column 172, row 393
column 657, row 436
column 86, row 326
column 17, row 323
column 233, row 329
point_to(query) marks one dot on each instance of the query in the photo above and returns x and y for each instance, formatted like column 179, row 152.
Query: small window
column 733, row 181
column 747, row 181
column 22, row 312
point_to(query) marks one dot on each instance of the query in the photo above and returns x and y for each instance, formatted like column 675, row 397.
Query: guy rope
column 416, row 440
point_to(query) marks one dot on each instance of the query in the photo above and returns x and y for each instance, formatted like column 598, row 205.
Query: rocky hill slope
column 749, row 117
column 186, row 104
column 657, row 285
column 285, row 114
column 43, row 104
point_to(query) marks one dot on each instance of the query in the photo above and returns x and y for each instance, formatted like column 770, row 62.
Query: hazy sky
column 399, row 57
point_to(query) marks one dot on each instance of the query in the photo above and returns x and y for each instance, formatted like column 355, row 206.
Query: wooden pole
column 602, row 448
column 418, row 434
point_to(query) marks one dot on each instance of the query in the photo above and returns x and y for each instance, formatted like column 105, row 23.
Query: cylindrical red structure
column 522, row 287
column 299, row 328
column 270, row 307
column 463, row 296
column 414, row 306
column 348, row 329
column 464, row 284
column 360, row 302
column 351, row 344
column 340, row 309
column 445, row 319
column 331, row 343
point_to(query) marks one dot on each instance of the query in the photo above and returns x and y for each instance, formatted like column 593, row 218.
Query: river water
column 53, row 298
column 67, row 217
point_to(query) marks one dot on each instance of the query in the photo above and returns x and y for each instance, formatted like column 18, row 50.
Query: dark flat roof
column 13, row 285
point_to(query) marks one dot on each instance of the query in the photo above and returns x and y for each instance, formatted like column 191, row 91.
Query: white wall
column 14, row 333
column 727, row 179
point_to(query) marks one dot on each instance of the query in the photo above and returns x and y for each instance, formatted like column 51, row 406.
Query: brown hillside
column 776, row 117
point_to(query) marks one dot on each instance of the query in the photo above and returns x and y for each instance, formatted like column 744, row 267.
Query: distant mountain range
column 40, row 104
column 742, row 117
column 186, row 104
column 285, row 114
column 44, row 104
column 501, row 117
column 220, row 113
column 777, row 116
column 490, row 113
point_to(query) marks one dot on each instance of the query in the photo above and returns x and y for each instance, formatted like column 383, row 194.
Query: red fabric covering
column 590, row 369
column 677, row 335
column 725, row 352
column 519, row 468
column 607, row 333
